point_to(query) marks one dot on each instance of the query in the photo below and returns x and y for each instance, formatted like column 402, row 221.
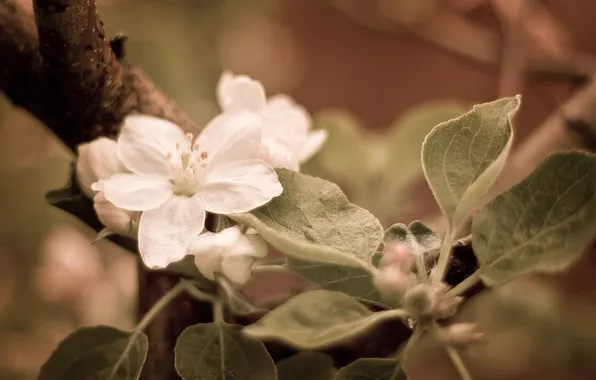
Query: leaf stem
column 218, row 311
column 466, row 284
column 147, row 319
column 441, row 267
column 401, row 357
column 458, row 363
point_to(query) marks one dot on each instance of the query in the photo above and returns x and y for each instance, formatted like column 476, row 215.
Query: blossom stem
column 443, row 263
column 401, row 357
column 218, row 311
column 147, row 319
column 466, row 284
column 458, row 363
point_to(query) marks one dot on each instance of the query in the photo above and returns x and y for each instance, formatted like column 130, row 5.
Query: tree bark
column 58, row 64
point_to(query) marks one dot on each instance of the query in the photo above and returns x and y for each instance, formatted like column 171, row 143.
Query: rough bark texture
column 58, row 64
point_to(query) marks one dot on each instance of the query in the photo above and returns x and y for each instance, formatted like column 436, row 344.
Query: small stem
column 421, row 268
column 244, row 229
column 401, row 357
column 151, row 314
column 465, row 285
column 458, row 363
column 218, row 311
column 441, row 267
column 195, row 292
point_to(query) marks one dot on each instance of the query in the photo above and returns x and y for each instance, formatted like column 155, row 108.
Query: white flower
column 287, row 138
column 97, row 160
column 229, row 252
column 175, row 180
column 116, row 219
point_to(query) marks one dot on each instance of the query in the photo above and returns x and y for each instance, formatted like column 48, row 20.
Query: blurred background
column 378, row 74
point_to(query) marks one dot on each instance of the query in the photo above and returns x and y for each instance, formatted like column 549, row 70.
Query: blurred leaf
column 236, row 301
column 102, row 353
column 463, row 157
column 543, row 223
column 308, row 365
column 220, row 351
column 319, row 318
column 407, row 134
column 355, row 282
column 344, row 155
column 371, row 369
column 312, row 220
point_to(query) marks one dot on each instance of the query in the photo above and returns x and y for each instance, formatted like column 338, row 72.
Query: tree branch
column 58, row 65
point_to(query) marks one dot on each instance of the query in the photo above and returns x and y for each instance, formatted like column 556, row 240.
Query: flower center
column 187, row 167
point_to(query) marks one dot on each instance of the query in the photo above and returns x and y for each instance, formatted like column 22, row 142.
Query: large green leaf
column 307, row 365
column 318, row 318
column 371, row 369
column 312, row 220
column 462, row 157
column 97, row 353
column 356, row 282
column 543, row 223
column 220, row 351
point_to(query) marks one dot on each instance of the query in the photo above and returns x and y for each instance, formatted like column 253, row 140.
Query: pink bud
column 460, row 335
column 398, row 254
column 391, row 280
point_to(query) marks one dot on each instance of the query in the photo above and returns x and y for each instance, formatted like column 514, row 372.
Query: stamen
column 204, row 155
column 189, row 137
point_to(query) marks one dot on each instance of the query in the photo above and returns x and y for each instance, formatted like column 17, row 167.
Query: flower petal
column 240, row 92
column 313, row 144
column 209, row 248
column 288, row 127
column 145, row 141
column 136, row 192
column 237, row 268
column 249, row 245
column 278, row 155
column 165, row 232
column 231, row 136
column 97, row 160
column 239, row 187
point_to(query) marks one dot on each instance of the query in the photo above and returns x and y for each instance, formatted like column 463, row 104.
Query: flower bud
column 97, row 160
column 391, row 280
column 398, row 254
column 116, row 219
column 425, row 301
column 460, row 335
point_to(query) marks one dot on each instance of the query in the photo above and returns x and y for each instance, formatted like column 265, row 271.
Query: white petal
column 209, row 248
column 240, row 92
column 237, row 268
column 249, row 245
column 278, row 155
column 97, row 160
column 288, row 127
column 232, row 136
column 165, row 233
column 239, row 187
column 136, row 192
column 280, row 102
column 313, row 144
column 145, row 141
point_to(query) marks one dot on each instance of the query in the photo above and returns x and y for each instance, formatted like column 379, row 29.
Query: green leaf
column 308, row 365
column 421, row 239
column 312, row 220
column 343, row 155
column 462, row 157
column 407, row 135
column 220, row 351
column 543, row 223
column 355, row 282
column 371, row 369
column 97, row 353
column 236, row 301
column 319, row 318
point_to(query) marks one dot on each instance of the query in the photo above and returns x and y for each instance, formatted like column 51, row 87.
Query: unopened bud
column 391, row 280
column 398, row 254
column 97, row 160
column 460, row 335
column 116, row 219
column 425, row 301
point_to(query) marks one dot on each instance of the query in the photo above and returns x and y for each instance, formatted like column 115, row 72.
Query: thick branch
column 59, row 66
column 69, row 77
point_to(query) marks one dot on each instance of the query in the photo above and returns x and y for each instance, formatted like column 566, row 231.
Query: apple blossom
column 287, row 137
column 96, row 160
column 116, row 219
column 176, row 179
column 229, row 252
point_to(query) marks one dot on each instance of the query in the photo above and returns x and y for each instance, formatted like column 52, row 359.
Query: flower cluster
column 157, row 182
